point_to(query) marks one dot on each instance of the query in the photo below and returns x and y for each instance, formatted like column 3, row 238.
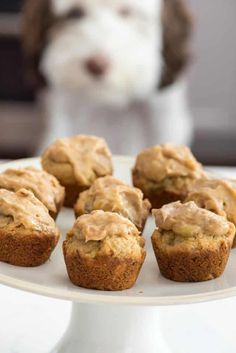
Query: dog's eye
column 76, row 13
column 125, row 11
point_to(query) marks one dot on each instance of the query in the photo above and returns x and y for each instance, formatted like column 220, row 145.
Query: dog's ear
column 177, row 28
column 36, row 22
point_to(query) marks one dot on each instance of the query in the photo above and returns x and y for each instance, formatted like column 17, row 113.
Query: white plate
column 151, row 288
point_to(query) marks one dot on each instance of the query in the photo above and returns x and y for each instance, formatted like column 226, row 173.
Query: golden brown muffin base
column 157, row 197
column 145, row 214
column 234, row 242
column 72, row 192
column 29, row 249
column 103, row 272
column 196, row 266
column 58, row 207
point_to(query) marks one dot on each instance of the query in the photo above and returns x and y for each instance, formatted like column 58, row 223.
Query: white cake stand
column 115, row 322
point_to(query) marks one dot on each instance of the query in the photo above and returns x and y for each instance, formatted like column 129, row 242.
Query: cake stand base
column 108, row 328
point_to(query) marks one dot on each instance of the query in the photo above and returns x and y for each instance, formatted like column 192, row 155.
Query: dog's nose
column 97, row 65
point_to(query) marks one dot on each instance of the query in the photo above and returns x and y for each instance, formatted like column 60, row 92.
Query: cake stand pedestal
column 112, row 329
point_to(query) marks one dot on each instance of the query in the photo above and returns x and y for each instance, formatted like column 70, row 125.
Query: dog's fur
column 140, row 99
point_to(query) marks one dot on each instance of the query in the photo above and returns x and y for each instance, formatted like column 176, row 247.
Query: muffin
column 77, row 162
column 28, row 233
column 111, row 194
column 103, row 251
column 165, row 173
column 218, row 196
column 191, row 244
column 43, row 185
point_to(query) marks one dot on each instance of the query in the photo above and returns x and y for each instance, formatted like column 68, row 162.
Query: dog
column 111, row 68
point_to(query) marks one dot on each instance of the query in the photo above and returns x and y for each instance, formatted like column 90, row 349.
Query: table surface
column 27, row 319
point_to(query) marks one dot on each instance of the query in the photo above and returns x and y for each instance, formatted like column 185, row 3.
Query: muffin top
column 43, row 185
column 79, row 159
column 105, row 233
column 162, row 161
column 22, row 209
column 111, row 194
column 216, row 195
column 189, row 220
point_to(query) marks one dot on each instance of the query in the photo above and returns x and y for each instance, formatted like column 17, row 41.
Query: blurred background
column 212, row 85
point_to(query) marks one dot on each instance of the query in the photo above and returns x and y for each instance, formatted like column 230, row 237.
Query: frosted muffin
column 218, row 196
column 103, row 251
column 28, row 233
column 165, row 173
column 43, row 185
column 111, row 194
column 77, row 162
column 191, row 244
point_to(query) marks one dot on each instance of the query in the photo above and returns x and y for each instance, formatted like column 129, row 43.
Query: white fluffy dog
column 112, row 68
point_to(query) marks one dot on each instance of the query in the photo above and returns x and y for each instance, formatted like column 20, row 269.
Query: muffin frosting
column 89, row 157
column 23, row 209
column 99, row 224
column 111, row 194
column 44, row 186
column 162, row 161
column 218, row 196
column 188, row 220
